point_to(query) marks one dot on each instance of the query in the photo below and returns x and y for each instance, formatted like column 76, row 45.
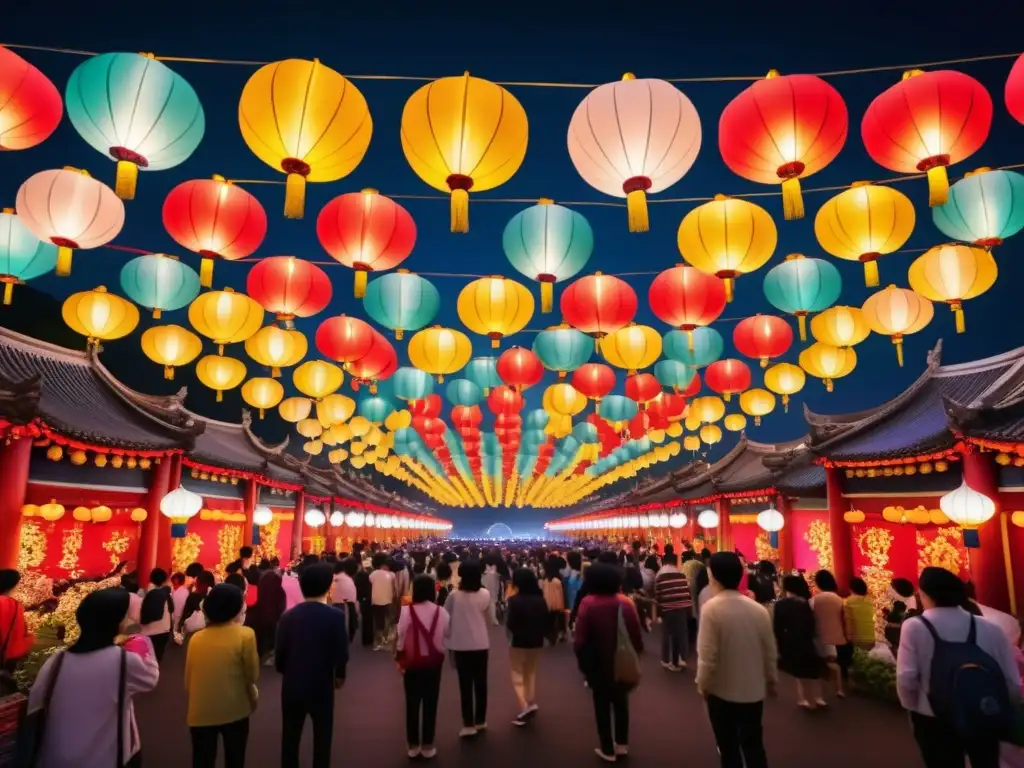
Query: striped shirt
column 672, row 590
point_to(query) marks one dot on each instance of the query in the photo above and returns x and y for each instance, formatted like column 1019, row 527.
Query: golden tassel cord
column 460, row 211
column 801, row 321
column 169, row 372
column 157, row 313
column 828, row 385
column 360, row 284
column 958, row 314
column 64, row 255
column 220, row 396
column 206, row 273
column 547, row 297
column 8, row 293
column 126, row 179
column 261, row 414
column 871, row 274
column 792, row 200
column 689, row 341
column 898, row 341
column 294, row 196
column 636, row 211
column 275, row 373
column 728, row 288
column 938, row 185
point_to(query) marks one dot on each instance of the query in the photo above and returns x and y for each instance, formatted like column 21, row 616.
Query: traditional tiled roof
column 808, row 480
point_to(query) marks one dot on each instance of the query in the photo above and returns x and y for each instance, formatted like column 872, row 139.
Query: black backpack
column 967, row 689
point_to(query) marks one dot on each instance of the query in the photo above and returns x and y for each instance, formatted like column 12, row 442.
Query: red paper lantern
column 693, row 388
column 639, row 425
column 367, row 232
column 466, row 416
column 345, row 339
column 595, row 380
column 728, row 377
column 379, row 362
column 926, row 122
column 289, row 287
column 30, row 105
column 762, row 337
column 598, row 304
column 504, row 400
column 1014, row 92
column 520, row 368
column 642, row 387
column 783, row 129
column 686, row 298
column 216, row 219
column 666, row 408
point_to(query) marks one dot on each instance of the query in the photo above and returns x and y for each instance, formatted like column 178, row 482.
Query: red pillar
column 298, row 524
column 786, row 557
column 15, row 457
column 249, row 495
column 988, row 562
column 165, row 544
column 722, row 506
column 842, row 542
column 159, row 485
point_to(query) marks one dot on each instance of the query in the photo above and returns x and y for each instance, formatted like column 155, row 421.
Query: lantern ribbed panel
column 30, row 105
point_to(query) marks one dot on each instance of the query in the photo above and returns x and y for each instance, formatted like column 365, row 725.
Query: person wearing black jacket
column 527, row 623
column 607, row 558
column 156, row 614
column 364, row 594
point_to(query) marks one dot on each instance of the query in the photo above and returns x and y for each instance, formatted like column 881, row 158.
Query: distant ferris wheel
column 499, row 531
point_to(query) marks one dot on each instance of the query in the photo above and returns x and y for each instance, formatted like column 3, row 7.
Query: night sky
column 584, row 43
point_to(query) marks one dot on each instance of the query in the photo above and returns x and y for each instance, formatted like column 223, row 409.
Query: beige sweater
column 736, row 653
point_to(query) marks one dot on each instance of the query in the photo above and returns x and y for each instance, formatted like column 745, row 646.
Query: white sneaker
column 428, row 753
column 603, row 756
column 466, row 731
column 670, row 667
column 413, row 753
column 531, row 709
column 621, row 750
column 481, row 727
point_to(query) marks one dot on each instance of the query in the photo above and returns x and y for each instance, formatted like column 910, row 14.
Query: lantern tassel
column 801, row 321
column 785, row 403
column 294, row 196
column 938, row 185
column 828, row 385
column 757, row 421
column 547, row 297
column 728, row 288
column 126, row 179
column 764, row 362
column 636, row 211
column 169, row 372
column 460, row 211
column 261, row 414
column 8, row 293
column 156, row 313
column 220, row 396
column 360, row 284
column 64, row 255
column 399, row 334
column 275, row 373
column 898, row 341
column 689, row 341
column 958, row 314
column 792, row 200
column 206, row 273
column 495, row 343
column 871, row 274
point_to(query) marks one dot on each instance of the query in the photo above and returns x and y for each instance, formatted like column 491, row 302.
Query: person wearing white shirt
column 941, row 595
column 424, row 622
column 382, row 595
column 472, row 613
column 343, row 594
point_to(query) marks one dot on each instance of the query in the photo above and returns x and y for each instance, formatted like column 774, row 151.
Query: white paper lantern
column 354, row 519
column 645, row 521
column 181, row 504
column 370, row 520
column 708, row 519
column 262, row 515
column 337, row 518
column 384, row 521
column 677, row 520
column 966, row 507
column 314, row 518
column 771, row 520
column 634, row 522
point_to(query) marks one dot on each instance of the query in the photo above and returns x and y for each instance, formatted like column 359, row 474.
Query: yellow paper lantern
column 710, row 434
column 313, row 447
column 559, row 426
column 77, row 457
column 864, row 223
column 894, row 515
column 825, row 362
column 262, row 393
column 139, row 515
column 853, row 516
column 563, row 399
column 51, row 512
column 707, row 409
column 317, row 378
column 692, row 421
column 953, row 273
column 840, row 326
column 398, row 420
column 276, row 348
column 727, row 237
column 919, row 516
column 100, row 460
column 225, row 317
column 461, row 134
column 171, row 346
column 634, row 347
column 757, row 403
column 335, row 409
column 937, row 516
column 220, row 373
column 440, row 351
column 375, row 436
column 337, row 456
column 54, row 453
column 99, row 316
column 735, row 422
column 305, row 120
column 897, row 312
column 29, row 510
column 81, row 514
column 101, row 514
column 309, row 428
column 295, row 409
column 785, row 379
column 495, row 307
column 657, row 437
column 358, row 462
column 675, row 429
column 360, row 426
column 342, row 433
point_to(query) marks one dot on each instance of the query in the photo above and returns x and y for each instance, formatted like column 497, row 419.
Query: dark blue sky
column 569, row 42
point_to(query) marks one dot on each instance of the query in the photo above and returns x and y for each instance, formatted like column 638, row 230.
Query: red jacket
column 15, row 639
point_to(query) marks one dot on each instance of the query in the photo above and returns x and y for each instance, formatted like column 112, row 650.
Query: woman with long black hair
column 471, row 612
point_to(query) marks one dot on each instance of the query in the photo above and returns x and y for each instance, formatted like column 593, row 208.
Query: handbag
column 627, row 670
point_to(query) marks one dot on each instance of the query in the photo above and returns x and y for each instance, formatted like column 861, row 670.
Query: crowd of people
column 958, row 673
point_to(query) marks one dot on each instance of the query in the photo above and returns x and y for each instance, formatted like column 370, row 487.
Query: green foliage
column 874, row 677
column 47, row 643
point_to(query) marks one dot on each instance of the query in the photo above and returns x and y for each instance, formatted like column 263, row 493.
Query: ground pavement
column 668, row 723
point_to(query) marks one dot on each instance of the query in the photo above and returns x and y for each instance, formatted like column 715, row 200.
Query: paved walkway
column 668, row 722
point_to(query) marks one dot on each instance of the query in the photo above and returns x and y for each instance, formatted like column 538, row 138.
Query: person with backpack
column 956, row 675
column 420, row 655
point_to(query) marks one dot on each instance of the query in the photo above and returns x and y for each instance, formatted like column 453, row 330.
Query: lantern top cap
column 795, row 256
column 77, row 170
column 545, row 201
column 370, row 191
column 772, row 73
column 719, row 197
column 976, row 171
column 628, row 76
column 912, row 73
column 403, row 271
column 218, row 177
column 100, row 289
column 147, row 55
column 170, row 256
column 9, row 211
column 856, row 184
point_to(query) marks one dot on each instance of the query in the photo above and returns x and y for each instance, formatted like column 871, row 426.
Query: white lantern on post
column 677, row 520
column 262, row 515
column 314, row 518
column 708, row 518
column 969, row 509
column 337, row 518
column 772, row 521
column 181, row 505
column 370, row 520
column 354, row 519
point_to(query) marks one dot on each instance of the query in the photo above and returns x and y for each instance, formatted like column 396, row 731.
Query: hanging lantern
column 562, row 348
column 366, row 232
column 99, row 316
column 23, row 256
column 70, row 209
column 616, row 408
column 375, row 409
column 564, row 400
column 707, row 409
column 674, row 375
column 463, row 392
column 289, row 287
column 1014, row 91
column 926, row 122
column 483, row 371
column 696, row 348
column 727, row 377
column 30, row 105
column 216, row 219
column 864, row 223
column 378, row 364
column 159, row 282
column 520, row 368
column 783, row 129
column 262, row 393
column 969, row 509
column 305, row 120
column 771, row 520
column 170, row 346
column 52, row 512
column 181, row 504
column 634, row 347
column 840, row 326
column 735, row 422
column 686, row 298
column 461, row 134
column 412, row 384
column 310, row 428
column 220, row 373
column 276, row 348
column 785, row 379
column 800, row 286
column 691, row 443
column 598, row 304
column 762, row 337
column 440, row 351
column 984, row 208
column 262, row 515
column 402, row 302
column 642, row 387
column 344, row 339
column 317, row 379
column 828, row 363
column 897, row 312
column 548, row 243
column 314, row 518
column 953, row 273
column 594, row 380
column 313, row 447
column 295, row 409
column 710, row 434
column 634, row 137
column 225, row 317
column 757, row 403
column 334, row 409
column 495, row 307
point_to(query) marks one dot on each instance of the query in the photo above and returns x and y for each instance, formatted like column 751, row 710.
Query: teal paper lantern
column 586, row 432
column 707, row 346
column 137, row 110
column 159, row 282
column 984, row 208
column 463, row 392
column 617, row 408
column 410, row 383
column 536, row 419
column 375, row 409
column 800, row 285
column 402, row 301
column 483, row 371
column 548, row 243
column 22, row 255
column 673, row 374
column 563, row 349
column 406, row 442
